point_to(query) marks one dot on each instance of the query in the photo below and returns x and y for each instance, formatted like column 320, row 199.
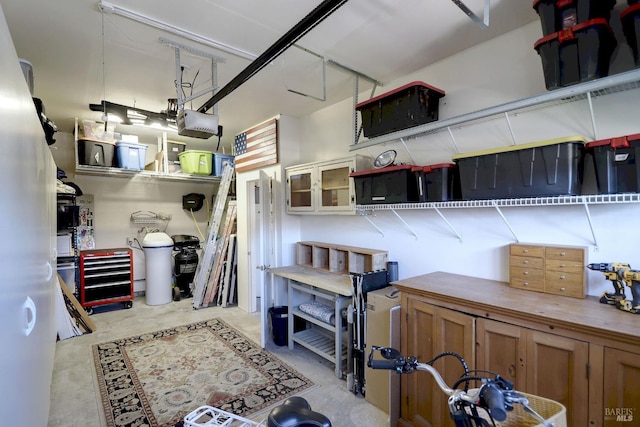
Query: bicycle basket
column 549, row 409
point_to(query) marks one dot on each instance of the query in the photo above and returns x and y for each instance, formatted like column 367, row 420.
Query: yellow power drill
column 620, row 274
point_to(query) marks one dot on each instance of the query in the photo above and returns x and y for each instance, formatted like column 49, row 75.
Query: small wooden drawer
column 571, row 254
column 565, row 265
column 525, row 283
column 564, row 283
column 525, row 261
column 527, row 273
column 528, row 250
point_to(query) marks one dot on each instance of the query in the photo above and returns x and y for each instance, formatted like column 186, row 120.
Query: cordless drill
column 620, row 274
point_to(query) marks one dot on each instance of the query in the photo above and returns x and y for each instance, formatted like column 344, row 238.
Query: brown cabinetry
column 426, row 332
column 555, row 270
column 541, row 363
column 622, row 387
column 579, row 352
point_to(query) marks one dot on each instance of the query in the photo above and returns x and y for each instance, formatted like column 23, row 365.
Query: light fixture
column 108, row 7
column 125, row 115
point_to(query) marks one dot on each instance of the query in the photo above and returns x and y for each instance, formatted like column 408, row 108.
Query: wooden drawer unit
column 526, row 267
column 557, row 270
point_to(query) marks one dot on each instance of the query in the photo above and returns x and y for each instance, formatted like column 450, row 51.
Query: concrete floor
column 75, row 399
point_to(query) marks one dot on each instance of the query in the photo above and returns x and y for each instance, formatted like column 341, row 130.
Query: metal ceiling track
column 315, row 17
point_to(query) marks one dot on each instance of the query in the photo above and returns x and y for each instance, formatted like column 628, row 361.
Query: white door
column 264, row 232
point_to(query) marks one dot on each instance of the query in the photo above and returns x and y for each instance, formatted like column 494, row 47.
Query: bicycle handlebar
column 494, row 401
column 496, row 395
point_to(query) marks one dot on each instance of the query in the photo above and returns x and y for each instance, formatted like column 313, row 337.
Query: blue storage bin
column 131, row 155
column 218, row 162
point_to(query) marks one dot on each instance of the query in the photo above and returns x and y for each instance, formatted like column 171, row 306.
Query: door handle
column 29, row 308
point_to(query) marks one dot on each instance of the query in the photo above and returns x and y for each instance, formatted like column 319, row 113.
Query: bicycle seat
column 296, row 412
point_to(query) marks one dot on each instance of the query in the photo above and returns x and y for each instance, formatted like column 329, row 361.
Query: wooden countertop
column 337, row 283
column 496, row 298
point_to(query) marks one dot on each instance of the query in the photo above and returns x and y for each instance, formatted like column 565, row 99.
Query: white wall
column 504, row 69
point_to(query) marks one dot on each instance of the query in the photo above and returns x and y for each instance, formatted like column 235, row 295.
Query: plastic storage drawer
column 95, row 153
column 558, row 15
column 547, row 168
column 630, row 18
column 131, row 155
column 219, row 160
column 196, row 162
column 616, row 164
column 410, row 105
column 393, row 184
column 578, row 54
column 437, row 183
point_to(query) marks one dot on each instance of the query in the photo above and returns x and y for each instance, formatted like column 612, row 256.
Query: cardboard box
column 383, row 329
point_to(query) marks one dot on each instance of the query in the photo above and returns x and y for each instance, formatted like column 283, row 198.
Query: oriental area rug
column 156, row 379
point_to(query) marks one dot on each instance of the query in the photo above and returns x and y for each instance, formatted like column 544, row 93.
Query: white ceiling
column 383, row 39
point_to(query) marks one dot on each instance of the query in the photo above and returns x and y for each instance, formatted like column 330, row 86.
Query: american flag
column 257, row 147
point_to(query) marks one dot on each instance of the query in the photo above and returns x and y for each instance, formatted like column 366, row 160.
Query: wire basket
column 550, row 410
column 208, row 416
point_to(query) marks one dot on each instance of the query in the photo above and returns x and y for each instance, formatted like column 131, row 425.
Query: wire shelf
column 593, row 199
column 603, row 86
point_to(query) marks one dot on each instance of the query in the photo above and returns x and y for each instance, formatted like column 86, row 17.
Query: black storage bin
column 437, row 183
column 393, row 184
column 547, row 168
column 558, row 15
column 279, row 325
column 411, row 105
column 95, row 153
column 630, row 18
column 616, row 164
column 576, row 55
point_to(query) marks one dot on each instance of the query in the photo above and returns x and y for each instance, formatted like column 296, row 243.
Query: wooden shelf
column 340, row 259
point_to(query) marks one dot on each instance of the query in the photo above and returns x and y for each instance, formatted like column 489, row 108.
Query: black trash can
column 279, row 330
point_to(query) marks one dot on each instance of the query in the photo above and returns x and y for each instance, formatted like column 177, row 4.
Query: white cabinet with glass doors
column 324, row 187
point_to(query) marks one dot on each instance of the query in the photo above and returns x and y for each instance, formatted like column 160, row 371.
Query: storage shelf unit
column 106, row 277
column 606, row 85
column 339, row 258
column 594, row 199
column 326, row 340
column 114, row 172
column 323, row 187
column 67, row 226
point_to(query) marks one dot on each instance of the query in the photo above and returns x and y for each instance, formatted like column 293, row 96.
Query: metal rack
column 366, row 211
column 584, row 91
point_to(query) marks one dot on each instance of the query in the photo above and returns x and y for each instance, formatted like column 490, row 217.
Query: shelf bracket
column 593, row 233
column 505, row 221
column 448, row 223
column 453, row 140
column 405, row 223
column 593, row 117
column 413, row 162
column 484, row 22
column 365, row 216
column 513, row 136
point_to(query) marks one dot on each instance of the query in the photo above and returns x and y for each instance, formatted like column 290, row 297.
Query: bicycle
column 494, row 401
column 477, row 407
